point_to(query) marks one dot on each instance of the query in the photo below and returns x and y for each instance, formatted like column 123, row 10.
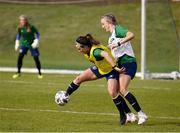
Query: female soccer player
column 104, row 66
column 27, row 38
column 123, row 52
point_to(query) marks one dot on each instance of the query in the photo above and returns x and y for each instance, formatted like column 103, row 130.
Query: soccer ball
column 61, row 98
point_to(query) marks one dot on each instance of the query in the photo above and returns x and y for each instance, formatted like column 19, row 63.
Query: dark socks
column 119, row 102
column 38, row 64
column 20, row 61
column 72, row 87
column 132, row 100
column 126, row 108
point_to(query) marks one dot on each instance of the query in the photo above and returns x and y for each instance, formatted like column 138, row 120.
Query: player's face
column 105, row 25
column 82, row 49
column 22, row 21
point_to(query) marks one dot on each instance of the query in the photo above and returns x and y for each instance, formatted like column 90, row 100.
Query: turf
column 27, row 104
column 59, row 25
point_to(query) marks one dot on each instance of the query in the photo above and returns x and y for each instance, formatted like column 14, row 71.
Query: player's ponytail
column 87, row 40
column 110, row 18
column 92, row 40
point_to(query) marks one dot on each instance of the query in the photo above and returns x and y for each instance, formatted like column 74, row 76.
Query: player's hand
column 112, row 46
column 35, row 43
column 16, row 45
column 120, row 70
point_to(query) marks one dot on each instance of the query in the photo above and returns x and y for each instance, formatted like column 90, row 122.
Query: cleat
column 130, row 117
column 40, row 76
column 17, row 75
column 142, row 118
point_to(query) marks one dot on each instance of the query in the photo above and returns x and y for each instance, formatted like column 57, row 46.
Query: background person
column 27, row 38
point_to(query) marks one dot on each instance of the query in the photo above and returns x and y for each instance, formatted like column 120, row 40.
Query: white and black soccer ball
column 61, row 98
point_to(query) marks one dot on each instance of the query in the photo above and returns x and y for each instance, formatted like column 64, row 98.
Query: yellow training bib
column 103, row 66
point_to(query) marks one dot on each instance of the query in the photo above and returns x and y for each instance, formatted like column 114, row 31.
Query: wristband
column 119, row 44
column 114, row 66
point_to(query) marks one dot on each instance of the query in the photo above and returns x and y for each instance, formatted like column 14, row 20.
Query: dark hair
column 110, row 18
column 87, row 40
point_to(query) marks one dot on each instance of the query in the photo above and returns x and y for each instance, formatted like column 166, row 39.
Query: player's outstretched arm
column 108, row 58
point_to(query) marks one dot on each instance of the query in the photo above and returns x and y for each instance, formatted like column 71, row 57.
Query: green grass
column 160, row 99
column 59, row 25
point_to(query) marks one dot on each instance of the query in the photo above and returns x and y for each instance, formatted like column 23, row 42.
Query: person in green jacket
column 27, row 38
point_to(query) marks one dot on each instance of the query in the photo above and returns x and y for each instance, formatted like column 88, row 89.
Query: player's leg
column 38, row 64
column 20, row 62
column 22, row 52
column 117, row 99
column 115, row 75
column 124, row 82
column 35, row 54
column 87, row 75
column 130, row 117
column 113, row 90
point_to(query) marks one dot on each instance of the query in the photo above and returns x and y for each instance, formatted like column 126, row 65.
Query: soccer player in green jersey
column 120, row 45
column 27, row 38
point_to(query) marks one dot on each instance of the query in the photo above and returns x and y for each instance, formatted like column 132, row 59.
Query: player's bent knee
column 78, row 80
column 112, row 93
column 123, row 91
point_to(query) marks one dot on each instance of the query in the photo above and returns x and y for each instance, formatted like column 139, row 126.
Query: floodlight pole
column 143, row 39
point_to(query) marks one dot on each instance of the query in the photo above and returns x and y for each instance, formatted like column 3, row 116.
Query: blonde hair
column 27, row 25
column 110, row 18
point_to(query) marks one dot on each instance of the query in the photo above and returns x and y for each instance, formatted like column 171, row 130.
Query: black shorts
column 111, row 75
column 131, row 68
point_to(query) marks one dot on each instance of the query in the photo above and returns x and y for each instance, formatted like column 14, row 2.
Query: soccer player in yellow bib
column 104, row 66
column 120, row 45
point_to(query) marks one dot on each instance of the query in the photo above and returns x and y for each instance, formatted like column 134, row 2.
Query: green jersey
column 97, row 54
column 120, row 31
column 26, row 38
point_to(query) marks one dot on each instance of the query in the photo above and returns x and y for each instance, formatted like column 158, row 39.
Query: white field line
column 44, row 83
column 88, row 85
column 172, row 75
column 34, row 70
column 47, row 71
column 79, row 113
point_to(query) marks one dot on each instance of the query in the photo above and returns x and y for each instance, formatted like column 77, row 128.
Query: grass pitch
column 59, row 25
column 27, row 104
